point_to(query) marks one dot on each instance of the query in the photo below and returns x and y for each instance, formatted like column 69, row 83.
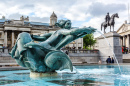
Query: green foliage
column 88, row 40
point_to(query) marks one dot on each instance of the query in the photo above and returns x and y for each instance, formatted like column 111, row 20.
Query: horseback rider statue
column 107, row 18
column 109, row 21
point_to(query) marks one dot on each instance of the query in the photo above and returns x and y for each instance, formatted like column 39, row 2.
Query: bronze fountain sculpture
column 46, row 56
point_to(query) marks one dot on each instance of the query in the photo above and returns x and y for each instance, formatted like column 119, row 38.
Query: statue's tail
column 57, row 60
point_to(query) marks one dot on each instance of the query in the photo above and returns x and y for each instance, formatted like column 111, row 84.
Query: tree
column 88, row 40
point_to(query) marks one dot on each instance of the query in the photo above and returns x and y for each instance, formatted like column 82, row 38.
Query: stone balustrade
column 83, row 55
column 76, row 55
column 81, row 51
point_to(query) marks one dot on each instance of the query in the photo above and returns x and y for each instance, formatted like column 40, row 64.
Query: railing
column 7, row 50
column 81, row 51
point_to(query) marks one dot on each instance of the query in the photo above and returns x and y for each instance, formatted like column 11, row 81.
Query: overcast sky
column 80, row 12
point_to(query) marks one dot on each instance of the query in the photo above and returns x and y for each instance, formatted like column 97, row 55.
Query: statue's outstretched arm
column 73, row 34
column 85, row 30
column 78, row 31
column 41, row 38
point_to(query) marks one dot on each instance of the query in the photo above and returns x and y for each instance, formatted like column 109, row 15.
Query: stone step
column 126, row 56
column 126, row 60
column 8, row 64
column 7, row 60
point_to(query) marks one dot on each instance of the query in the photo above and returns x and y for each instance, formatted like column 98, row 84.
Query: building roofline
column 120, row 27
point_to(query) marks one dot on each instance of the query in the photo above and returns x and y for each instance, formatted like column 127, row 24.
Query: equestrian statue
column 46, row 55
column 109, row 21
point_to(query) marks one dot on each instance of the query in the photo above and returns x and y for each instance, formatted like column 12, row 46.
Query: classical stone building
column 124, row 31
column 9, row 30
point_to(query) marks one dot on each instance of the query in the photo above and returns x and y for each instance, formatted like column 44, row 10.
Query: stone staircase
column 126, row 58
column 7, row 59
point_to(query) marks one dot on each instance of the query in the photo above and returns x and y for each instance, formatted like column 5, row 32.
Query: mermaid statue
column 46, row 55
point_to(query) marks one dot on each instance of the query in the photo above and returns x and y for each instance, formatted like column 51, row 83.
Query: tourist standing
column 3, row 48
column 66, row 52
column 112, row 60
column 108, row 59
column 126, row 50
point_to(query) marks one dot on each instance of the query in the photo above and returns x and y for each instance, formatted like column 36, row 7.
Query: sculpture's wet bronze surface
column 46, row 56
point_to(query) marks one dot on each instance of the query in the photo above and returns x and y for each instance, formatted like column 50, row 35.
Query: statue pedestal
column 36, row 74
column 104, row 48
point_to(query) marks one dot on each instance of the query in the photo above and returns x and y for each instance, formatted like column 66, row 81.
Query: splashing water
column 111, row 50
column 76, row 70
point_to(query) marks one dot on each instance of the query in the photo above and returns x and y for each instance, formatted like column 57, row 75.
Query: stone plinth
column 37, row 75
column 104, row 48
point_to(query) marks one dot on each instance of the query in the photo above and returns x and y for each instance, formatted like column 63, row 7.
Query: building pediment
column 123, row 28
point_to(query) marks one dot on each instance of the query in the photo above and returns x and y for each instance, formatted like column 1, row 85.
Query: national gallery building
column 9, row 30
column 124, row 31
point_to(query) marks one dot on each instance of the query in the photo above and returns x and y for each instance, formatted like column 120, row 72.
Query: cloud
column 98, row 8
column 17, row 16
column 77, row 12
column 37, row 19
column 80, row 12
column 27, row 6
column 94, row 22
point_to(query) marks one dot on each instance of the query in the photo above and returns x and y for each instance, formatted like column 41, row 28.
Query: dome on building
column 53, row 15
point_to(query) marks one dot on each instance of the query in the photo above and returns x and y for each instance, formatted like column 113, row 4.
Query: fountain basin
column 88, row 75
column 37, row 75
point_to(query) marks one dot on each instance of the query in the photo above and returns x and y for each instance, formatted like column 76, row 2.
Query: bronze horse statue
column 111, row 22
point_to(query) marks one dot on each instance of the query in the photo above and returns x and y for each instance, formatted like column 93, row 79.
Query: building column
column 12, row 38
column 121, row 40
column 82, row 43
column 77, row 44
column 124, row 44
column 5, row 38
column 128, row 42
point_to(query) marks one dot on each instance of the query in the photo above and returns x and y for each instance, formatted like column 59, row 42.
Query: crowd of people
column 124, row 50
column 110, row 60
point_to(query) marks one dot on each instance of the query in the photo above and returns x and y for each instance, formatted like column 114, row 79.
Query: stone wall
column 83, row 56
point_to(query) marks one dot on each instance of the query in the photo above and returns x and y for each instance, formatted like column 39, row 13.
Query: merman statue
column 46, row 55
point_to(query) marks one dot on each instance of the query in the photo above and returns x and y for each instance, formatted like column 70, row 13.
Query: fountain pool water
column 88, row 76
